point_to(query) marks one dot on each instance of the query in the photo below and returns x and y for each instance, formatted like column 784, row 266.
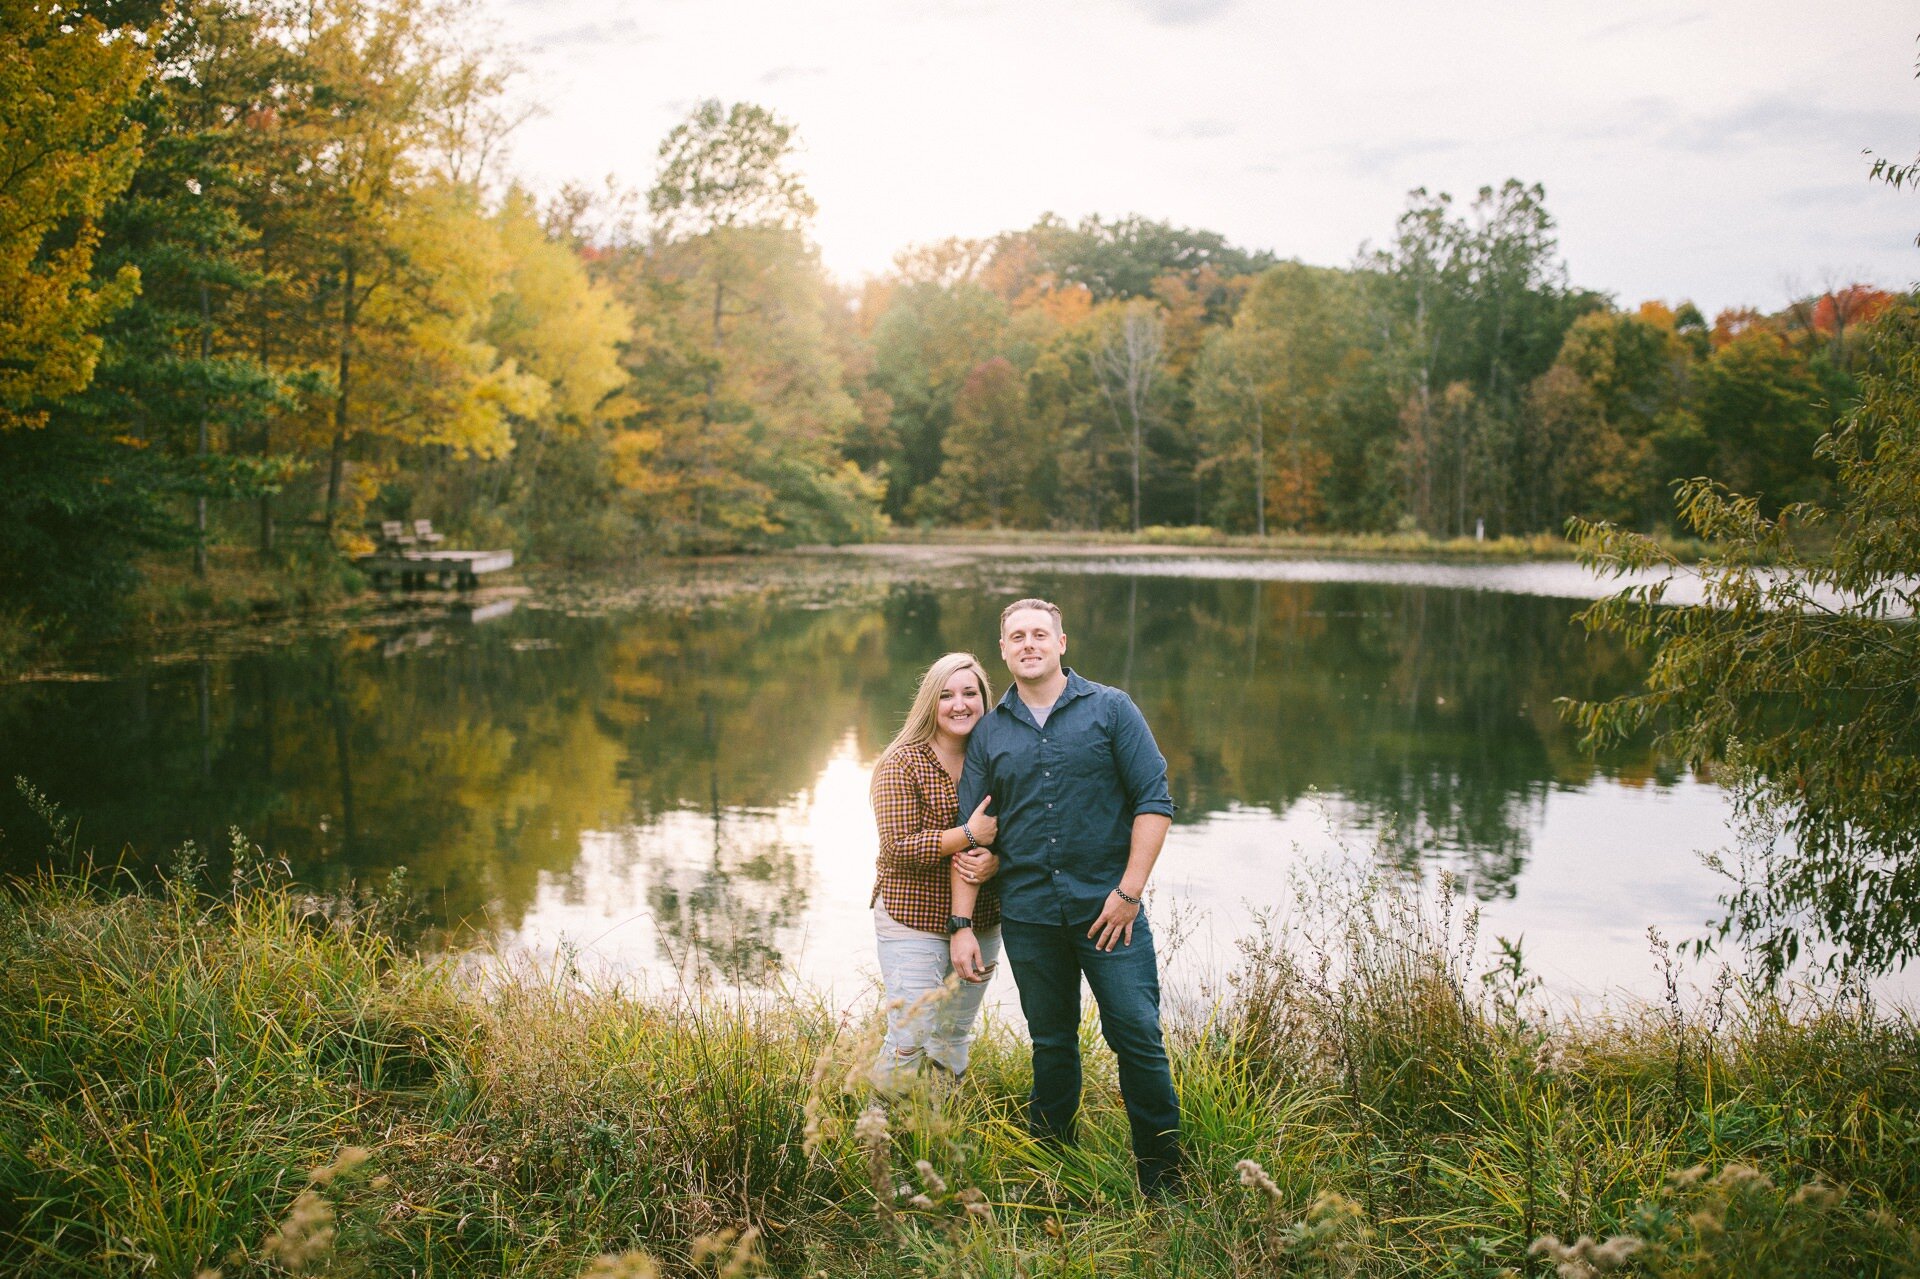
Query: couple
column 1054, row 873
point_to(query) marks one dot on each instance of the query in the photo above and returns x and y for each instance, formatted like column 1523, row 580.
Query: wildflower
column 1254, row 1177
column 1616, row 1251
column 621, row 1265
column 1570, row 1260
column 1818, row 1194
column 1743, row 1177
column 1329, row 1206
column 739, row 1251
column 872, row 1128
column 1706, row 1221
column 975, row 1201
column 921, row 1201
column 349, row 1159
column 1687, row 1176
column 305, row 1236
column 936, row 1185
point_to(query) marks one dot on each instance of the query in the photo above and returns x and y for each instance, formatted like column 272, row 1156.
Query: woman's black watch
column 956, row 922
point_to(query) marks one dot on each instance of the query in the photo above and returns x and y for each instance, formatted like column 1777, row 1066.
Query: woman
column 926, row 852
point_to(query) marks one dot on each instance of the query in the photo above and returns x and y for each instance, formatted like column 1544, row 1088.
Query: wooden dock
column 413, row 568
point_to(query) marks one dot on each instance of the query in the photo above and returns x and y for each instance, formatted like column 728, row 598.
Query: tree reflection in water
column 481, row 756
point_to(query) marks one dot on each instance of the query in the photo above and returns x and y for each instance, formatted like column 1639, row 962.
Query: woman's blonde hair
column 926, row 703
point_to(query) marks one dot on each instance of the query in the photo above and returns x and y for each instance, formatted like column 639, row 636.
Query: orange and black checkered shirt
column 913, row 801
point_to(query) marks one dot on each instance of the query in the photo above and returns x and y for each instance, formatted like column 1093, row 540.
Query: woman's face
column 961, row 704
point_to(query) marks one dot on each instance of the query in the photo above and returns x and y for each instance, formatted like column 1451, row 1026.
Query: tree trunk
column 266, row 423
column 200, row 499
column 1259, row 466
column 341, row 401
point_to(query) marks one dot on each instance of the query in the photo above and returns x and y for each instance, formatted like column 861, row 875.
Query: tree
column 1480, row 302
column 924, row 346
column 67, row 147
column 1123, row 259
column 1619, row 384
column 1803, row 675
column 726, row 167
column 1129, row 361
column 179, row 368
column 726, row 197
column 1760, row 413
column 1274, row 379
column 990, row 454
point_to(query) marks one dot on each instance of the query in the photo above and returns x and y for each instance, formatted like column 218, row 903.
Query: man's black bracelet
column 1126, row 897
column 967, row 830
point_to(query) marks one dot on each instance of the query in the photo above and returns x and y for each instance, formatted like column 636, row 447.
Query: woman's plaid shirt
column 913, row 801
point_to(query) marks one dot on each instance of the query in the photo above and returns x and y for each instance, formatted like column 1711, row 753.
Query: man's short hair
column 1045, row 606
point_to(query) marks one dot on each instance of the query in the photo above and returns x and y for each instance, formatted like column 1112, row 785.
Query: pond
column 663, row 775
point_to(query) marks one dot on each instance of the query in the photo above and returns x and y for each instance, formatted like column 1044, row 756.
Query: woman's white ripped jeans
column 925, row 1023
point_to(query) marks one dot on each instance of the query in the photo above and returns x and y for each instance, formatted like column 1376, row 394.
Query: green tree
column 991, row 452
column 178, row 370
column 79, row 498
column 1803, row 675
column 1761, row 408
column 68, row 146
column 747, row 299
column 1269, row 394
column 924, row 346
column 1479, row 302
column 1587, row 446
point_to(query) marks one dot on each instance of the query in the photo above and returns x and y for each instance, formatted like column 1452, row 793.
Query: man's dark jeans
column 1048, row 960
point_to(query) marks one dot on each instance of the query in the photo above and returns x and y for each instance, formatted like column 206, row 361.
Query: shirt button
column 1049, row 805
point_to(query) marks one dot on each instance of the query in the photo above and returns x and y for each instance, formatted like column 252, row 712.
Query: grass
column 241, row 583
column 247, row 1083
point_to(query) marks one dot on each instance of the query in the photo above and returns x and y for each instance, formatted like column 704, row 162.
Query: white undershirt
column 887, row 928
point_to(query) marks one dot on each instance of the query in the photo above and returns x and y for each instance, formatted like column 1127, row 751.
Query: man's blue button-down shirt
column 1066, row 795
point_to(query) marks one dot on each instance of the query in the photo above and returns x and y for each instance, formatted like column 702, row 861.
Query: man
column 1081, row 795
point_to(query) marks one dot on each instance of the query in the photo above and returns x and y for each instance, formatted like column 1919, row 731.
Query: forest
column 266, row 278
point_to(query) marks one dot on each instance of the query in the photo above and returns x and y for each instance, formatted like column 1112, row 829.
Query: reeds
column 1363, row 1100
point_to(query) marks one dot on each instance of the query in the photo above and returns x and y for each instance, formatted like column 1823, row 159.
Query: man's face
column 1032, row 644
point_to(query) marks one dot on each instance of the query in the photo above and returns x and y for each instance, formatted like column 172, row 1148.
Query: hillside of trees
column 264, row 279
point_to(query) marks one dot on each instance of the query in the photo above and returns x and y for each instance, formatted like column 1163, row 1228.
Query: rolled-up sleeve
column 1142, row 768
column 907, row 835
column 973, row 774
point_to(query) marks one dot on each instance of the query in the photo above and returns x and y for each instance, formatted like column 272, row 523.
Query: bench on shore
column 411, row 557
column 394, row 533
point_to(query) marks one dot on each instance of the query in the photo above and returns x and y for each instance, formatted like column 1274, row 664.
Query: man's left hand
column 1115, row 925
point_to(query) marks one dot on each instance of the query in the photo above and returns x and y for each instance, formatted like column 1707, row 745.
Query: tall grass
column 247, row 1083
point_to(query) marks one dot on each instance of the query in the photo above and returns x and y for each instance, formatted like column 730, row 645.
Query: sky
column 1701, row 151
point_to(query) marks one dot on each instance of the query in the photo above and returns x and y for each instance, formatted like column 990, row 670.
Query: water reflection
column 683, row 785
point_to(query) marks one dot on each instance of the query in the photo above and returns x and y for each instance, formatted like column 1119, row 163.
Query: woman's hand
column 978, row 865
column 985, row 829
column 963, row 948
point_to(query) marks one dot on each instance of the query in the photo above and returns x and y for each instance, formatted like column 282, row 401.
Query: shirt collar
column 1076, row 687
